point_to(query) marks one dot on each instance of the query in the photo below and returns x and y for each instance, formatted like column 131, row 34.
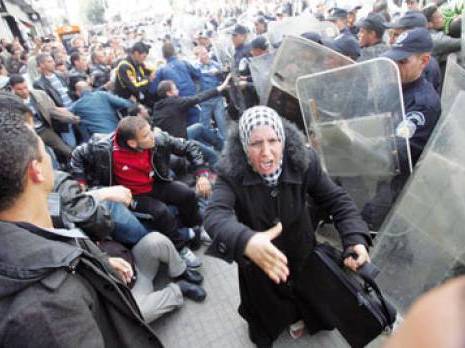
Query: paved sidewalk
column 216, row 323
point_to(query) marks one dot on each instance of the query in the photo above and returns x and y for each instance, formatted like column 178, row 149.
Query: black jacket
column 57, row 291
column 100, row 75
column 243, row 205
column 170, row 113
column 44, row 84
column 132, row 79
column 92, row 161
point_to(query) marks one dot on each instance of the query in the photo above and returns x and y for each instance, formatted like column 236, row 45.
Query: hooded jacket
column 57, row 291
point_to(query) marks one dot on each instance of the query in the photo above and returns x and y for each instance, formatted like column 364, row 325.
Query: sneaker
column 297, row 329
column 189, row 258
column 204, row 237
column 192, row 276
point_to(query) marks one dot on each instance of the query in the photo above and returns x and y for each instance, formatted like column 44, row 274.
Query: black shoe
column 195, row 243
column 192, row 291
column 191, row 276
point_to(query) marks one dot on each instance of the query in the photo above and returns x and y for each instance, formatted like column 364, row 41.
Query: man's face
column 48, row 65
column 81, row 63
column 411, row 68
column 174, row 91
column 21, row 90
column 204, row 41
column 100, row 57
column 46, row 168
column 238, row 39
column 257, row 52
column 139, row 57
column 366, row 37
column 204, row 58
column 437, row 20
column 260, row 28
column 145, row 138
column 394, row 34
column 351, row 18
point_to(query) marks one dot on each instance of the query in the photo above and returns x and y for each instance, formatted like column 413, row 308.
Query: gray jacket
column 58, row 291
column 443, row 44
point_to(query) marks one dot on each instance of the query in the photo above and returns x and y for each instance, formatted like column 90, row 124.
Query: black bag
column 348, row 301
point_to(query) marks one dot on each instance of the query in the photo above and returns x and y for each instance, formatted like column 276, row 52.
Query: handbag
column 349, row 301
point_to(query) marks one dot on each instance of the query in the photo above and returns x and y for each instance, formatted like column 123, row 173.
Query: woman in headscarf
column 258, row 216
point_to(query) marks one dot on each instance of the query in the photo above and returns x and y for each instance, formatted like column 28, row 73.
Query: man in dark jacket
column 171, row 112
column 57, row 289
column 132, row 76
column 138, row 159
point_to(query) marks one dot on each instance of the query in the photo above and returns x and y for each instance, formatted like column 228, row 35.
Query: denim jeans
column 214, row 108
column 128, row 230
column 69, row 137
column 208, row 141
column 193, row 115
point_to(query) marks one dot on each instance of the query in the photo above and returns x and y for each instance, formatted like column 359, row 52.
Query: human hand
column 225, row 83
column 362, row 257
column 203, row 187
column 118, row 194
column 266, row 256
column 123, row 268
column 75, row 119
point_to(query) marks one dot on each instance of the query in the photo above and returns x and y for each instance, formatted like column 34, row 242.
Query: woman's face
column 265, row 151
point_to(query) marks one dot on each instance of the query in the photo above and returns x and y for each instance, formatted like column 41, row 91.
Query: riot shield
column 454, row 82
column 422, row 242
column 298, row 57
column 296, row 26
column 260, row 68
column 351, row 115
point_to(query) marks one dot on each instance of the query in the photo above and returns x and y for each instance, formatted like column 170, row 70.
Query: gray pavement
column 216, row 323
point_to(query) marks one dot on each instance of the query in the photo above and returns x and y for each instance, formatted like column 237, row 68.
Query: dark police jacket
column 92, row 162
column 243, row 205
column 423, row 107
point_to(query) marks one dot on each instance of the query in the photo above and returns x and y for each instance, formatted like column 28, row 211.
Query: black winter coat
column 92, row 161
column 44, row 84
column 242, row 205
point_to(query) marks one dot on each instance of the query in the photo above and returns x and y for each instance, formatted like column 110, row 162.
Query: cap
column 260, row 19
column 336, row 13
column 411, row 19
column 140, row 47
column 374, row 22
column 239, row 30
column 312, row 36
column 344, row 45
column 412, row 41
column 259, row 42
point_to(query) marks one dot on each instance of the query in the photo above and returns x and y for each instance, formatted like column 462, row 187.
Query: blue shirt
column 98, row 110
column 179, row 71
column 209, row 75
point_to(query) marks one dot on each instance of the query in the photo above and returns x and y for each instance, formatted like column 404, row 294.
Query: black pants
column 156, row 203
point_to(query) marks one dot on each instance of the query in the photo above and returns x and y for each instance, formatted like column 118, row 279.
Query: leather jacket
column 92, row 162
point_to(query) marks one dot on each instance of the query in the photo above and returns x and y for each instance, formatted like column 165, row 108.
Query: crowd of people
column 109, row 167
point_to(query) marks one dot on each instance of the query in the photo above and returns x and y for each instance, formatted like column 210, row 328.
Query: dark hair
column 16, row 79
column 140, row 47
column 128, row 127
column 19, row 145
column 168, row 50
column 75, row 56
column 164, row 87
column 13, row 110
column 429, row 11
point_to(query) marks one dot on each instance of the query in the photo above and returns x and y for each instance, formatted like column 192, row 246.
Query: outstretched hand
column 266, row 256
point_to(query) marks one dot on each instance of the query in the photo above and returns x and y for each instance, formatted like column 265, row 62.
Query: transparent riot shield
column 296, row 26
column 298, row 57
column 351, row 115
column 422, row 242
column 260, row 68
column 454, row 82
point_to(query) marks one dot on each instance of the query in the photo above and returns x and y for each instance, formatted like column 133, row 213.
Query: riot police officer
column 345, row 42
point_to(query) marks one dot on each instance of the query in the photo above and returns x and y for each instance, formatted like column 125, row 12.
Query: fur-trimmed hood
column 233, row 161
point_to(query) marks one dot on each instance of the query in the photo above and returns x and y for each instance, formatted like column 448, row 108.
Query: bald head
column 81, row 87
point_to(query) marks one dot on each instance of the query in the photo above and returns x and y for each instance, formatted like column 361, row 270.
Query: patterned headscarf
column 259, row 116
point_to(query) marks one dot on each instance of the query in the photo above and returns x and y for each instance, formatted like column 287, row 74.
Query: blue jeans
column 69, row 137
column 214, row 108
column 193, row 115
column 207, row 140
column 128, row 230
